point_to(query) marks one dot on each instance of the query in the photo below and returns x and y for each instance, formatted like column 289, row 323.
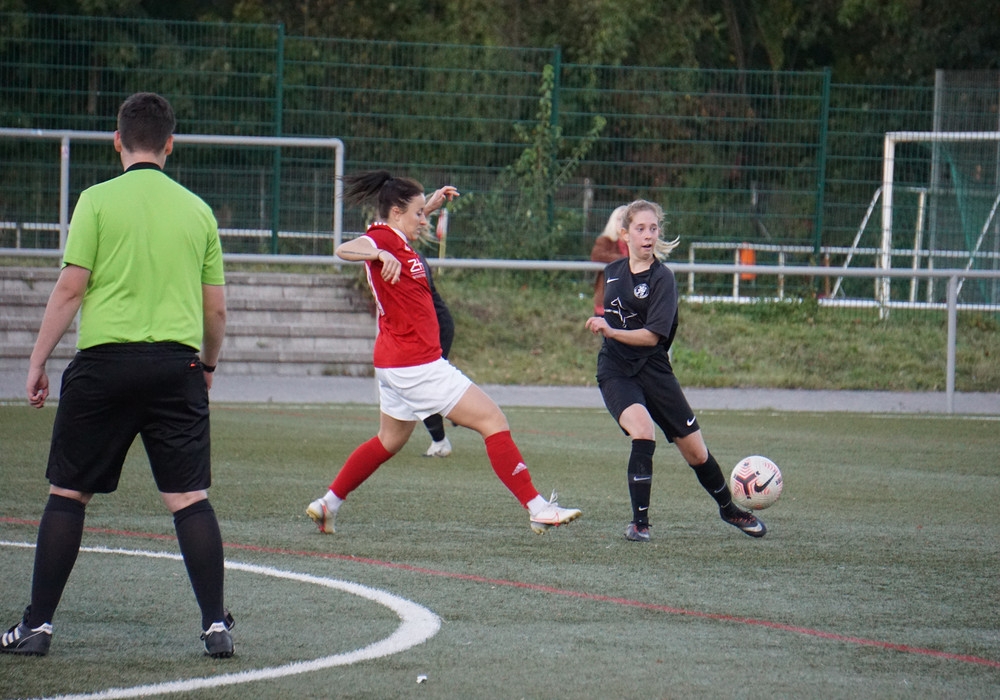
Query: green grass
column 522, row 329
column 877, row 579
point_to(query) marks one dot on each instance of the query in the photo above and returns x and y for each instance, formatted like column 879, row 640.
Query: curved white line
column 418, row 624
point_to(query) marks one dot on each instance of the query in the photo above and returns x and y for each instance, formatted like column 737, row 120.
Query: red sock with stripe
column 510, row 467
column 366, row 458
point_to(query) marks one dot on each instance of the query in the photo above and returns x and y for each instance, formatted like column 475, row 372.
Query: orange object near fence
column 747, row 256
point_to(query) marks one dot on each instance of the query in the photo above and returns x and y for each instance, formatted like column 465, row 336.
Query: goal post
column 284, row 185
column 960, row 173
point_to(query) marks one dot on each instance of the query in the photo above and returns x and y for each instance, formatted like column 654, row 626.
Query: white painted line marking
column 418, row 624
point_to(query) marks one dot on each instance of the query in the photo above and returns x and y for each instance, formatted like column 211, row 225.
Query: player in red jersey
column 414, row 380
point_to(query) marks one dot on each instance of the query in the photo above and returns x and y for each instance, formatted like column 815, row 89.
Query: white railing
column 952, row 276
column 66, row 137
column 804, row 253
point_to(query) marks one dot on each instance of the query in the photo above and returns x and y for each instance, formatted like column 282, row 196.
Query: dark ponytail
column 380, row 185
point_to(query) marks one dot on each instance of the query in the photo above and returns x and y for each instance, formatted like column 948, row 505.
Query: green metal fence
column 542, row 150
column 731, row 155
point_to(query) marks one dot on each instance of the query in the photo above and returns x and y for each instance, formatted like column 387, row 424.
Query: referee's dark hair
column 145, row 122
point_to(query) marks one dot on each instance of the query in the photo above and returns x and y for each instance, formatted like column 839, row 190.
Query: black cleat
column 637, row 533
column 21, row 639
column 218, row 640
column 744, row 520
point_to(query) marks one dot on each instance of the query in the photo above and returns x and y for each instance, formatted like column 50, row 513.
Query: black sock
column 435, row 426
column 201, row 546
column 58, row 544
column 712, row 480
column 640, row 479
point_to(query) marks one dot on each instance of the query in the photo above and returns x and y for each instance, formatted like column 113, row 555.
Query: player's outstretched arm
column 439, row 197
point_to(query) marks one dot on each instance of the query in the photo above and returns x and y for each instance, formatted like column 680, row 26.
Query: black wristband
column 208, row 368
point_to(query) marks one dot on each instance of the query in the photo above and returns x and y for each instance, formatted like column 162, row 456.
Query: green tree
column 516, row 218
column 901, row 40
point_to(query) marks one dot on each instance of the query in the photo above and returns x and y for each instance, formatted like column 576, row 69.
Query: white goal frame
column 882, row 284
column 67, row 136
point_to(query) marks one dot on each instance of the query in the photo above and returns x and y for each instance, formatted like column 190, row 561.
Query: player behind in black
column 634, row 373
column 440, row 444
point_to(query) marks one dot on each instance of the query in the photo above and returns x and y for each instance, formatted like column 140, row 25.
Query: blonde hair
column 663, row 248
column 613, row 228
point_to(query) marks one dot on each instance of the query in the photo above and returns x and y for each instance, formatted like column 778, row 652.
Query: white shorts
column 413, row 393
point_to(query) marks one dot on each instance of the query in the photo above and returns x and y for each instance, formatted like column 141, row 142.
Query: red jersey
column 408, row 332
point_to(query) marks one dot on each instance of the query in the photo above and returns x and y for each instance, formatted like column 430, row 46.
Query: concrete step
column 18, row 312
column 24, row 331
column 21, row 302
column 234, row 361
column 262, row 345
column 350, row 327
column 341, row 287
column 25, row 337
column 15, row 357
column 292, row 362
column 28, row 279
column 22, row 343
column 278, row 323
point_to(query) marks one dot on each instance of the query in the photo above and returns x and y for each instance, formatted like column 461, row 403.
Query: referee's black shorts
column 110, row 394
column 654, row 386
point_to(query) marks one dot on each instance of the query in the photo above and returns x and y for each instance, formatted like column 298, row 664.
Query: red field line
column 794, row 629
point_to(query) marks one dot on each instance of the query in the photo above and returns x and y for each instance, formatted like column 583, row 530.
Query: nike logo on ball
column 758, row 487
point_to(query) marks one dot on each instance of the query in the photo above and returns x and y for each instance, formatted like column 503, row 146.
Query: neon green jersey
column 149, row 244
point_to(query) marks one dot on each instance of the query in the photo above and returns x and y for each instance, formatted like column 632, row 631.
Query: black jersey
column 446, row 324
column 634, row 301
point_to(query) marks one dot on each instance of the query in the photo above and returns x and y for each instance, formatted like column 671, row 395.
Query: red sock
column 362, row 463
column 509, row 466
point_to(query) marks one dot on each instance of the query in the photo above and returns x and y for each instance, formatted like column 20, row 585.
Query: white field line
column 418, row 624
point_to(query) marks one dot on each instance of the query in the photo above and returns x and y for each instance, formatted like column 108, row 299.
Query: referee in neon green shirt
column 143, row 266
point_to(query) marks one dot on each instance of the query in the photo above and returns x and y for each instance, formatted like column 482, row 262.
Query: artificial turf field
column 879, row 578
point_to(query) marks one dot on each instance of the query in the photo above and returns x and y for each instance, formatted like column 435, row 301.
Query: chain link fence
column 780, row 165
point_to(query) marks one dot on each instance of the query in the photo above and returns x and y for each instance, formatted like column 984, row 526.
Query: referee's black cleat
column 218, row 640
column 21, row 639
column 744, row 520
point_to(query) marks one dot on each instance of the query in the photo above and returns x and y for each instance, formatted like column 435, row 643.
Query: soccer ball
column 756, row 482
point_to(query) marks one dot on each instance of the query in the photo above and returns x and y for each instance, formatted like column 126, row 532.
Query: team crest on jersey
column 641, row 291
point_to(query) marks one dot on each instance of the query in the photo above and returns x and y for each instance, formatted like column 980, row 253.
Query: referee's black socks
column 58, row 543
column 200, row 543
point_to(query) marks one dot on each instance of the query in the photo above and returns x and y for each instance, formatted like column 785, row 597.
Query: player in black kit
column 634, row 373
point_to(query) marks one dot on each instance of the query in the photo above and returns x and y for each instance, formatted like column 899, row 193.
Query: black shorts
column 110, row 394
column 446, row 326
column 653, row 386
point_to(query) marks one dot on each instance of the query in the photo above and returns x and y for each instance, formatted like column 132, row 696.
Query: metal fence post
column 554, row 123
column 63, row 191
column 824, row 129
column 279, row 107
column 882, row 291
column 952, row 335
